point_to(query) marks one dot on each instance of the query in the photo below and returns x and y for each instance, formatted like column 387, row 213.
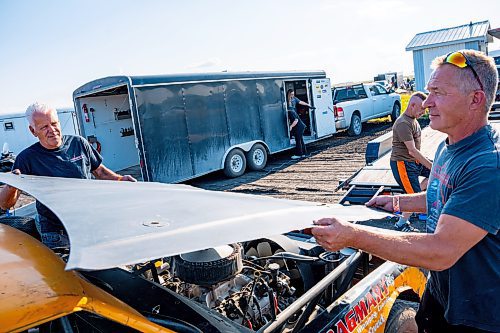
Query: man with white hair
column 461, row 248
column 54, row 155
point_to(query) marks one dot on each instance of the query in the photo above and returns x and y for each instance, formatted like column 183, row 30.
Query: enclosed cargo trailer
column 177, row 127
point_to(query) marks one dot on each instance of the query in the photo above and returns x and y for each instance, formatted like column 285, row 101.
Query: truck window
column 382, row 90
column 374, row 91
column 340, row 94
column 349, row 93
column 378, row 90
column 360, row 92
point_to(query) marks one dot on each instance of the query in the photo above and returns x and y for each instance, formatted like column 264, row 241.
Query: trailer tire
column 235, row 163
column 257, row 157
column 396, row 111
column 22, row 223
column 356, row 127
column 402, row 317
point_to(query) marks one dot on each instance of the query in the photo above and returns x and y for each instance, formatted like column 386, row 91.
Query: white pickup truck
column 358, row 103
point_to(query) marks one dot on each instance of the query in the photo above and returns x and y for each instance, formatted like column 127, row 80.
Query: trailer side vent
column 8, row 126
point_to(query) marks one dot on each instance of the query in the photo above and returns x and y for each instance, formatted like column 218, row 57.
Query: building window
column 8, row 126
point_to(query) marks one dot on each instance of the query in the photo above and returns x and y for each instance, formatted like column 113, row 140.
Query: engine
column 222, row 280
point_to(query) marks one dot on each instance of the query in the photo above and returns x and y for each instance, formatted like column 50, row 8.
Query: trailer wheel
column 235, row 163
column 402, row 317
column 396, row 111
column 356, row 126
column 257, row 157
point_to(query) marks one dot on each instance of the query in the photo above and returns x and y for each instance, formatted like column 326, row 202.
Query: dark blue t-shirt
column 76, row 158
column 465, row 183
column 292, row 115
column 292, row 106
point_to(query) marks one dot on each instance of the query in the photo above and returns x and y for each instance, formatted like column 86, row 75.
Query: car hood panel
column 112, row 223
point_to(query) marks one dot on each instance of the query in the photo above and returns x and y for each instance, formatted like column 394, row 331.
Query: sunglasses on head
column 460, row 60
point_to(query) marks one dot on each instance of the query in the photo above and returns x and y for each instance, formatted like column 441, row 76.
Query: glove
column 312, row 108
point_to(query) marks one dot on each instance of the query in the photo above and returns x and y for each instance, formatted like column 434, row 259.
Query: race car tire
column 402, row 317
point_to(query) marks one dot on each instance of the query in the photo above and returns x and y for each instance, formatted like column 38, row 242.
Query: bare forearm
column 8, row 196
column 437, row 251
column 413, row 202
column 105, row 174
column 421, row 158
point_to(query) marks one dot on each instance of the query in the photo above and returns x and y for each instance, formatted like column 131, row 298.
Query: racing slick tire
column 401, row 319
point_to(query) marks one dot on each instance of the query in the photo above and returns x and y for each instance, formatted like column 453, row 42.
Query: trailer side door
column 322, row 100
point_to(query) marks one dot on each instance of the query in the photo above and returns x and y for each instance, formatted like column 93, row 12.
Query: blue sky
column 49, row 48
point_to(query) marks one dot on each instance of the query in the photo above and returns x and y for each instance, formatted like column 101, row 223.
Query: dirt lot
column 313, row 179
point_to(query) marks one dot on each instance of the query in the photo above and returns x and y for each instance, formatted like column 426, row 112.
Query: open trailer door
column 322, row 101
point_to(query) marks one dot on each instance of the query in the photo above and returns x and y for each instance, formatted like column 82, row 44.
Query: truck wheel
column 396, row 110
column 402, row 317
column 356, row 127
column 257, row 157
column 235, row 163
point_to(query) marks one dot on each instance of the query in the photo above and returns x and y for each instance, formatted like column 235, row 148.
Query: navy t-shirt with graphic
column 465, row 183
column 76, row 158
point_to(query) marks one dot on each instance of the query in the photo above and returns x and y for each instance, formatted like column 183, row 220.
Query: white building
column 428, row 45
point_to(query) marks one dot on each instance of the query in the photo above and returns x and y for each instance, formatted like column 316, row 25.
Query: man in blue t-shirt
column 462, row 246
column 54, row 155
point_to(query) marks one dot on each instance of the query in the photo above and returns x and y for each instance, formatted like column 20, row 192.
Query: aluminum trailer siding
column 178, row 127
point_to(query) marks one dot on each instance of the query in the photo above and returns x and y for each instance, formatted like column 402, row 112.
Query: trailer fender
column 246, row 146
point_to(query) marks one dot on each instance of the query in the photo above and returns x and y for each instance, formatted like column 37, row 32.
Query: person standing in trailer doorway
column 297, row 126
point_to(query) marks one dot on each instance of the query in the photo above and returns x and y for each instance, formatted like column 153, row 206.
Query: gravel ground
column 315, row 178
